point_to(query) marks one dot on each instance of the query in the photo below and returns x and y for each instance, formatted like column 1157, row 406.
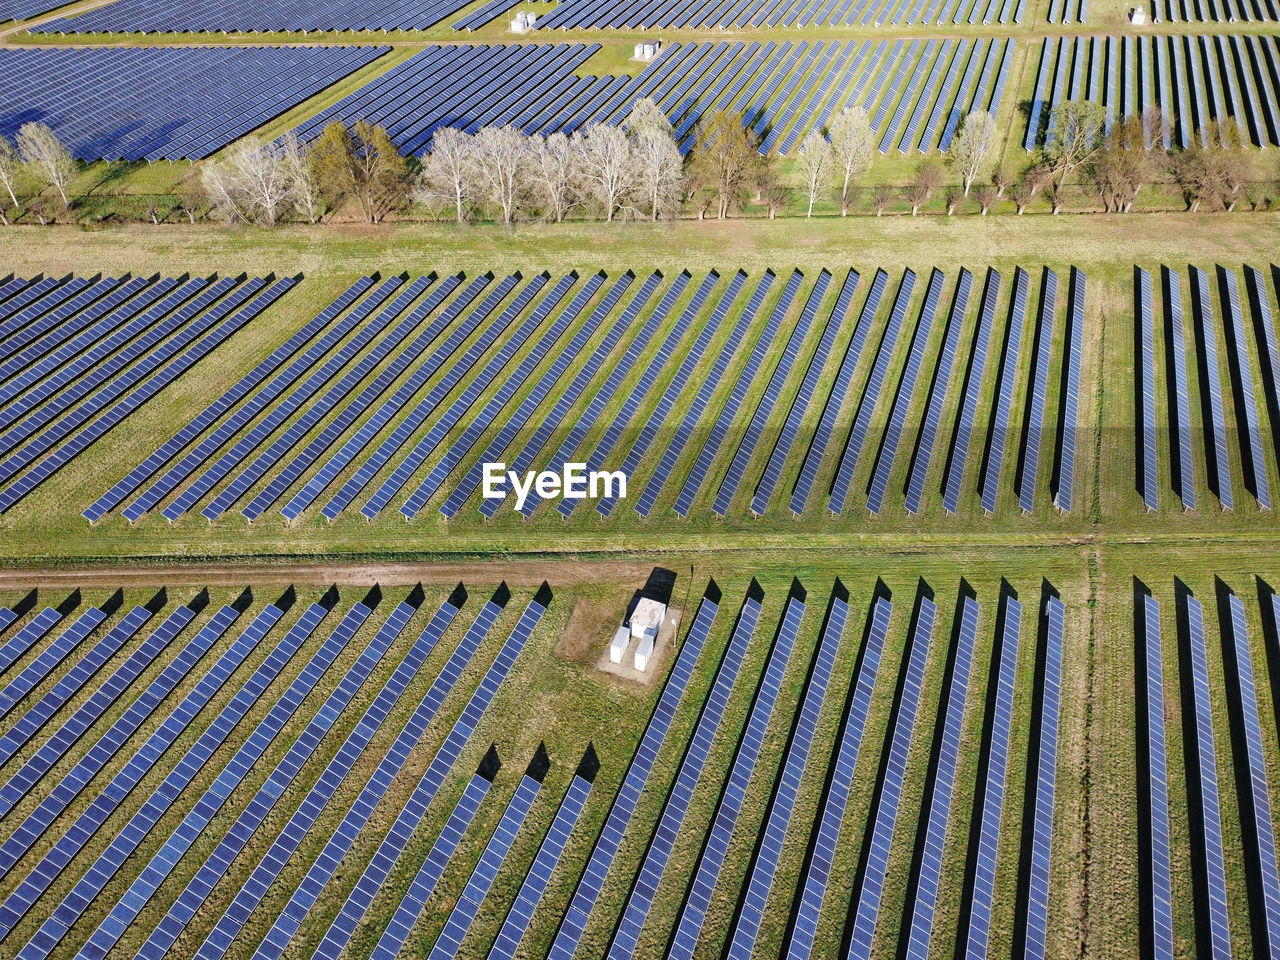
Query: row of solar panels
column 158, row 103
column 1215, row 11
column 916, row 91
column 437, row 377
column 1206, row 814
column 78, row 355
column 271, row 16
column 1233, row 393
column 1068, row 11
column 598, row 14
column 1194, row 81
column 313, row 655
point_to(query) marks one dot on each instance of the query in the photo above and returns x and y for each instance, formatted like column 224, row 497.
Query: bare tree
column 10, row 169
column 553, row 171
column 1023, row 192
column 916, row 194
column 726, row 159
column 814, row 163
column 501, row 168
column 46, row 157
column 1122, row 165
column 881, row 199
column 1075, row 131
column 852, row 143
column 986, row 197
column 953, row 196
column 448, row 170
column 250, row 181
column 1002, row 179
column 770, row 189
column 608, row 166
column 192, row 197
column 306, row 186
column 659, row 165
column 971, row 146
column 929, row 175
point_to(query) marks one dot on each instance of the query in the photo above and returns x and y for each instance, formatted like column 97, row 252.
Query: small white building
column 524, row 22
column 643, row 652
column 618, row 645
column 646, row 50
column 646, row 619
column 1138, row 16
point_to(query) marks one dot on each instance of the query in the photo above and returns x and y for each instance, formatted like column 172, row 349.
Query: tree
column 726, row 159
column 608, row 166
column 307, row 196
column 659, row 164
column 971, row 146
column 361, row 162
column 929, row 175
column 448, row 170
column 250, row 181
column 553, row 170
column 814, row 163
column 1122, row 165
column 881, row 198
column 770, row 190
column 191, row 197
column 46, row 157
column 986, row 196
column 954, row 196
column 1075, row 129
column 1023, row 192
column 10, row 169
column 852, row 142
column 1002, row 179
column 501, row 168
column 916, row 194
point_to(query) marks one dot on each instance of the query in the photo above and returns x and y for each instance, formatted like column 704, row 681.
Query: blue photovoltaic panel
column 1259, row 792
column 665, row 831
column 1244, row 371
column 1038, row 892
column 1261, row 303
column 1210, row 811
column 394, row 404
column 569, row 935
column 972, row 391
column 250, row 896
column 902, row 398
column 835, row 399
column 773, row 389
column 110, row 743
column 31, row 633
column 734, row 797
column 870, row 396
column 800, row 403
column 544, row 864
column 357, row 816
column 424, row 883
column 728, row 413
column 826, row 842
column 866, row 909
column 994, row 785
column 1213, row 374
column 698, row 405
column 144, row 818
column 1004, row 394
column 660, row 415
column 938, row 393
column 216, row 864
column 782, row 805
column 495, row 853
column 415, row 806
column 920, row 936
column 1182, row 398
column 52, row 655
column 1062, row 496
column 1039, row 390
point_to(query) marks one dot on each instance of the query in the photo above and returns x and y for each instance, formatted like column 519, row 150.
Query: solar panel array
column 1038, row 391
column 1004, row 391
column 64, row 393
column 276, row 16
column 596, row 14
column 1229, row 77
column 1039, row 888
column 1070, row 415
column 1214, row 11
column 1161, row 869
column 782, row 90
column 163, row 103
column 1146, row 326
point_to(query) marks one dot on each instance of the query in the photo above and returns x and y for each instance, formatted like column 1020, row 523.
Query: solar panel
column 734, row 795
column 993, row 784
column 777, row 380
column 626, row 936
column 1039, row 388
column 870, row 396
column 423, row 885
column 57, row 651
column 729, row 412
column 587, row 892
column 835, row 399
column 902, row 397
column 31, row 633
column 324, row 867
column 920, row 936
column 1257, row 798
column 529, row 897
column 216, row 864
column 938, row 393
column 1209, row 358
column 1005, row 384
column 1243, row 370
column 782, row 804
column 1181, row 397
column 676, row 387
column 1037, row 906
column 1261, row 305
column 144, row 818
column 415, row 806
column 1062, row 496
